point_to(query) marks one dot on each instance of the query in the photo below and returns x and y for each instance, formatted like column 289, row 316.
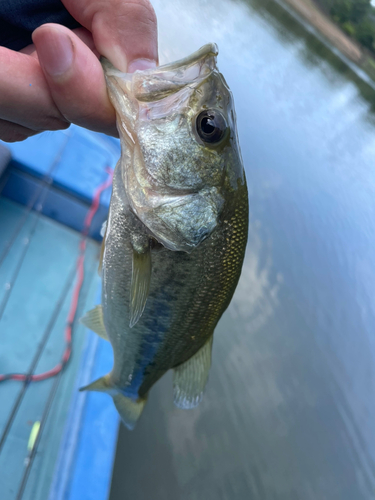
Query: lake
column 289, row 409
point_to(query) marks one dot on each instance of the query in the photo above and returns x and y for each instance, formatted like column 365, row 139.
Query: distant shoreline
column 311, row 13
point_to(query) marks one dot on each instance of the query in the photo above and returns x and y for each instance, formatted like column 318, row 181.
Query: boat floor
column 37, row 277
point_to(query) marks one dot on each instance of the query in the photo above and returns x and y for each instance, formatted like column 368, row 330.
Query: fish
column 176, row 233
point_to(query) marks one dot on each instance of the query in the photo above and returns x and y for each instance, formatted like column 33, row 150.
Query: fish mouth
column 210, row 49
column 207, row 51
column 129, row 91
column 157, row 83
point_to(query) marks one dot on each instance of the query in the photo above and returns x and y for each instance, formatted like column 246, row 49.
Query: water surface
column 289, row 411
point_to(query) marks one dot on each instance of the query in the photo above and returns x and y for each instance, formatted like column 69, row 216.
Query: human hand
column 59, row 80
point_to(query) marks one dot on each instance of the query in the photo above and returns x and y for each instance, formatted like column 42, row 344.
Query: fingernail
column 117, row 57
column 141, row 64
column 56, row 53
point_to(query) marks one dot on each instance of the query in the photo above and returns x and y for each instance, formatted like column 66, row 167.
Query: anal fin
column 190, row 378
column 140, row 286
column 94, row 321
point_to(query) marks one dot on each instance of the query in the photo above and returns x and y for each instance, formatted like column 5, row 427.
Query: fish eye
column 211, row 126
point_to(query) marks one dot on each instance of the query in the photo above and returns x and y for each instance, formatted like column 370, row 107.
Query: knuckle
column 58, row 125
column 14, row 135
column 146, row 14
column 10, row 132
column 147, row 10
column 52, row 123
column 140, row 11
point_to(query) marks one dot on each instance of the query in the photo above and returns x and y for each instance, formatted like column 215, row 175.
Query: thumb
column 75, row 78
column 124, row 31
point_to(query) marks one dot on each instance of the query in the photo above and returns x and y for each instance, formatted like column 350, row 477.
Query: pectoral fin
column 94, row 321
column 140, row 286
column 190, row 378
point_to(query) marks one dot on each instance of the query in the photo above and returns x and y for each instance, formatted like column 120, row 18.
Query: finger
column 11, row 132
column 25, row 98
column 124, row 31
column 86, row 37
column 82, row 33
column 29, row 50
column 75, row 78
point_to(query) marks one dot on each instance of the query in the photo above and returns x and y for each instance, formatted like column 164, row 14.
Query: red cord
column 76, row 293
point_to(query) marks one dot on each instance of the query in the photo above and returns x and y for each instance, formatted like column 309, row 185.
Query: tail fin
column 129, row 410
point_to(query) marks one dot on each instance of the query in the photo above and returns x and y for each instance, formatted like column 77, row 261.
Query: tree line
column 355, row 17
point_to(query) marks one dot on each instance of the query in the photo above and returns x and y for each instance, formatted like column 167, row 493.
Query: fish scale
column 177, row 229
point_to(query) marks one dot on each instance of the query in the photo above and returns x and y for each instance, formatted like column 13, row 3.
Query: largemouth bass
column 176, row 232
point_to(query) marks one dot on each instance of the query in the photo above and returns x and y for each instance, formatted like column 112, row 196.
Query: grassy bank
column 314, row 14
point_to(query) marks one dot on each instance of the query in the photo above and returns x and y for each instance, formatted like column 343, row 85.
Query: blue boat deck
column 47, row 189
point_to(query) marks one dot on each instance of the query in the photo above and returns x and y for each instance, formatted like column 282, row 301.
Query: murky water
column 289, row 411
